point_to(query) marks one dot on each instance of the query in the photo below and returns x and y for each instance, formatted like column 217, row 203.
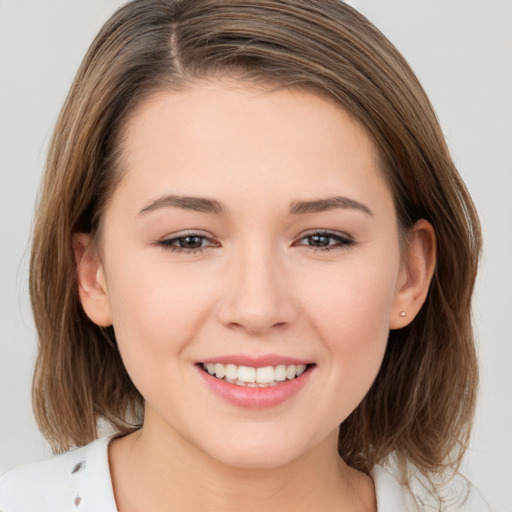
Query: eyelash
column 168, row 243
column 342, row 242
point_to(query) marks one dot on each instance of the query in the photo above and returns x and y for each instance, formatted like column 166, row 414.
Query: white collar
column 80, row 481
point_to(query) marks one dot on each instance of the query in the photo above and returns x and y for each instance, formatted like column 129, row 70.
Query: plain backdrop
column 462, row 53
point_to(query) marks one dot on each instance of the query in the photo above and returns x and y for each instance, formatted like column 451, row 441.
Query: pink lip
column 255, row 361
column 255, row 398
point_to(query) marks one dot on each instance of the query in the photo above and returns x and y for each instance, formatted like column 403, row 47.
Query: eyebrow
column 206, row 205
column 198, row 204
column 325, row 204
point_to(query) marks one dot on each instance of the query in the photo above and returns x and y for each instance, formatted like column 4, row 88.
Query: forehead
column 224, row 135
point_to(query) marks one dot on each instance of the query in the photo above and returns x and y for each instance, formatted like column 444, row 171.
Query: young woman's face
column 251, row 234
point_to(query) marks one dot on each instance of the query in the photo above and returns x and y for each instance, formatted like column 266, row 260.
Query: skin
column 258, row 287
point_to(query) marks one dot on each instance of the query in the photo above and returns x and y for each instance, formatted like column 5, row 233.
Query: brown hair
column 420, row 407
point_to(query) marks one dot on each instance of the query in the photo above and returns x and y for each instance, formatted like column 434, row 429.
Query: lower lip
column 255, row 398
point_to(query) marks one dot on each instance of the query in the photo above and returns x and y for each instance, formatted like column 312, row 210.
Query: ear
column 92, row 286
column 415, row 274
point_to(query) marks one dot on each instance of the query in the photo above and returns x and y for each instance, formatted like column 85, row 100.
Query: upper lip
column 256, row 361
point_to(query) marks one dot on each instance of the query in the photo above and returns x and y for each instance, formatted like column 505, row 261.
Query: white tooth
column 243, row 375
column 231, row 371
column 270, row 384
column 253, row 384
column 246, row 373
column 265, row 375
column 220, row 370
column 280, row 373
column 263, row 385
column 291, row 370
column 301, row 368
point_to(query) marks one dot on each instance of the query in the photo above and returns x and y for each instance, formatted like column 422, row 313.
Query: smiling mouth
column 249, row 376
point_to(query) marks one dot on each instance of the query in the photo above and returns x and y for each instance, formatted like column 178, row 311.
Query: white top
column 79, row 480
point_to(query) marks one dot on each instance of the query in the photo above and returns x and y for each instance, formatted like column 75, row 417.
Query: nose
column 258, row 295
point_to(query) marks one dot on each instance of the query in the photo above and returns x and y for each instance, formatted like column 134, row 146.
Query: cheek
column 156, row 313
column 351, row 311
column 354, row 298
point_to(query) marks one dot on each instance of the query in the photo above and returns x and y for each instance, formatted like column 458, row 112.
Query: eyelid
column 326, row 232
column 187, row 232
column 167, row 241
column 344, row 240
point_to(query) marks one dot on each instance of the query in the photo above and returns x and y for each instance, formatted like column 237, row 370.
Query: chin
column 264, row 457
column 259, row 451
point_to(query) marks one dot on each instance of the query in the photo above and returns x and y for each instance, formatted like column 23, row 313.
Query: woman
column 255, row 258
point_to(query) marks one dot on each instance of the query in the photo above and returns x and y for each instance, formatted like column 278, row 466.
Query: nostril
column 257, row 326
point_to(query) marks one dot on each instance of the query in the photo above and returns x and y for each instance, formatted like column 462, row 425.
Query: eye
column 190, row 243
column 326, row 241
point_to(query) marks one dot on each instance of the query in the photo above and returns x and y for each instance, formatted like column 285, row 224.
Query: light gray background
column 462, row 53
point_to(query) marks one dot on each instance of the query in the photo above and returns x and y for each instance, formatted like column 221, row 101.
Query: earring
column 403, row 313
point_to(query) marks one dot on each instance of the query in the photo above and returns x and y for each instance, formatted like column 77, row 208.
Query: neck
column 151, row 471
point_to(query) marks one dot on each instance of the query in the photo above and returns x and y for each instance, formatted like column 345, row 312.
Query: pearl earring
column 403, row 313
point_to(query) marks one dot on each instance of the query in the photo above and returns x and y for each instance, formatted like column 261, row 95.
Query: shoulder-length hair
column 421, row 405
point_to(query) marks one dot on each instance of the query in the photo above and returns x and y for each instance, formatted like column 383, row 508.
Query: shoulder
column 391, row 495
column 459, row 496
column 78, row 480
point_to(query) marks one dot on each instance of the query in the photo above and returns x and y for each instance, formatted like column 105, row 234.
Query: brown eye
column 190, row 242
column 319, row 240
column 325, row 241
